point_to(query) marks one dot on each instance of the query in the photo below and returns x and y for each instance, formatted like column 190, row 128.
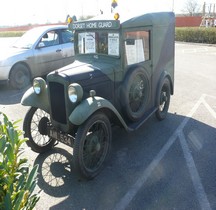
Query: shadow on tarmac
column 131, row 154
column 9, row 96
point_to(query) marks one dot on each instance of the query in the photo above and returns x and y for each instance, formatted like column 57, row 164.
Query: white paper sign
column 135, row 53
column 113, row 44
column 90, row 43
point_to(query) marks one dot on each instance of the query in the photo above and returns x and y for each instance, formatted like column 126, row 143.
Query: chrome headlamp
column 75, row 92
column 38, row 85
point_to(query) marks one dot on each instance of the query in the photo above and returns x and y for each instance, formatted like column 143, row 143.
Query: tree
column 191, row 8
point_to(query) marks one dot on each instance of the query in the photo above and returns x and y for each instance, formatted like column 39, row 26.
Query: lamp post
column 113, row 5
column 173, row 5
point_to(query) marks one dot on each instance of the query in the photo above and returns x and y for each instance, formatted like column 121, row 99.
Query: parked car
column 123, row 73
column 36, row 53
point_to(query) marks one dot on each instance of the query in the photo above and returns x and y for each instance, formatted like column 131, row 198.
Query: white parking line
column 145, row 175
column 204, row 203
column 200, row 50
column 200, row 192
column 211, row 111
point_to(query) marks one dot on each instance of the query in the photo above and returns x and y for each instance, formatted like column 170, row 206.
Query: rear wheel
column 19, row 76
column 92, row 146
column 164, row 100
column 35, row 128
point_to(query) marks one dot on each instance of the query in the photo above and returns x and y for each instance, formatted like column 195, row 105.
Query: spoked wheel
column 92, row 146
column 135, row 94
column 35, row 128
column 164, row 100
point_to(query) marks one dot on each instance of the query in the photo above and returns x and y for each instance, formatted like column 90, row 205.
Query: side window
column 67, row 36
column 137, row 47
column 51, row 38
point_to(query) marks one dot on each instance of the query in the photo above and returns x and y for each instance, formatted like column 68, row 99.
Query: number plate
column 60, row 136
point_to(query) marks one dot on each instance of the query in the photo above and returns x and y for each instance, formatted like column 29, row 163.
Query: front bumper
column 4, row 73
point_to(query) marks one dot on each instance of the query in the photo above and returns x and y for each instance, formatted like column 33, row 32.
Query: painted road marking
column 211, row 111
column 200, row 50
column 178, row 134
column 200, row 192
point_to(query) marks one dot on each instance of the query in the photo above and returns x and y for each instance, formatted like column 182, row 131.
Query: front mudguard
column 89, row 106
column 30, row 98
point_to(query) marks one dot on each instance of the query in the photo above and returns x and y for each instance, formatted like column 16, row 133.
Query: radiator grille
column 57, row 101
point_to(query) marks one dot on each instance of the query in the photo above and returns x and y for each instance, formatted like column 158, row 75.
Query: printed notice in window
column 135, row 52
column 113, row 44
column 90, row 43
column 81, row 42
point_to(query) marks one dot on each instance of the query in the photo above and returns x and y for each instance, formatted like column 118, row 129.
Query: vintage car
column 123, row 73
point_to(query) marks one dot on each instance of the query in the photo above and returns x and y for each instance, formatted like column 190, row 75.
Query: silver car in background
column 38, row 52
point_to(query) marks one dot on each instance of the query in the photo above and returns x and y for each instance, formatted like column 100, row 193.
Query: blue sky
column 19, row 12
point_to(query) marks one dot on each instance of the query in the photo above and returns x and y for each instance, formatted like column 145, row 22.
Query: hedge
column 193, row 34
column 196, row 35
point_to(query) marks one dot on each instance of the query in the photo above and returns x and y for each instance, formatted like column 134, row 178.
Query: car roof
column 49, row 27
column 156, row 18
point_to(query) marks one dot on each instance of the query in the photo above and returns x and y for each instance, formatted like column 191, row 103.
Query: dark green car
column 122, row 74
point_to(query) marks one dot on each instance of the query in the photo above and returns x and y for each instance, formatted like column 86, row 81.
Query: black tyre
column 136, row 91
column 164, row 100
column 19, row 76
column 35, row 128
column 92, row 146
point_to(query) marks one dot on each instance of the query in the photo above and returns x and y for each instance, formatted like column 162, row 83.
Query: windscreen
column 101, row 42
column 28, row 39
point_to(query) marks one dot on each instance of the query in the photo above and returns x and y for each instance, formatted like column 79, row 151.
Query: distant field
column 14, row 31
column 19, row 30
column 11, row 33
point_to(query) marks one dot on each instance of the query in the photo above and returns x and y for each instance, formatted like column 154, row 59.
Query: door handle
column 59, row 50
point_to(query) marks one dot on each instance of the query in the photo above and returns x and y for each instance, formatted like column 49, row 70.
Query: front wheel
column 35, row 129
column 164, row 100
column 92, row 145
column 19, row 76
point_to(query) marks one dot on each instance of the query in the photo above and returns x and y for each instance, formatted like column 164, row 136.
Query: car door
column 67, row 46
column 48, row 53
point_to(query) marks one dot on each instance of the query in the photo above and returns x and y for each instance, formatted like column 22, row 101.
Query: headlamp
column 38, row 85
column 75, row 92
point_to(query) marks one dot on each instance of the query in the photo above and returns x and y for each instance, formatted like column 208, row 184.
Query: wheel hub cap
column 94, row 145
column 42, row 126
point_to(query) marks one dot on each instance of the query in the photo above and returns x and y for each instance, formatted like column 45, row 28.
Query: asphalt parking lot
column 163, row 165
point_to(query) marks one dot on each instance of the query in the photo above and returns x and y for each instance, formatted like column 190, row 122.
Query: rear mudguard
column 90, row 105
column 30, row 98
column 160, row 84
